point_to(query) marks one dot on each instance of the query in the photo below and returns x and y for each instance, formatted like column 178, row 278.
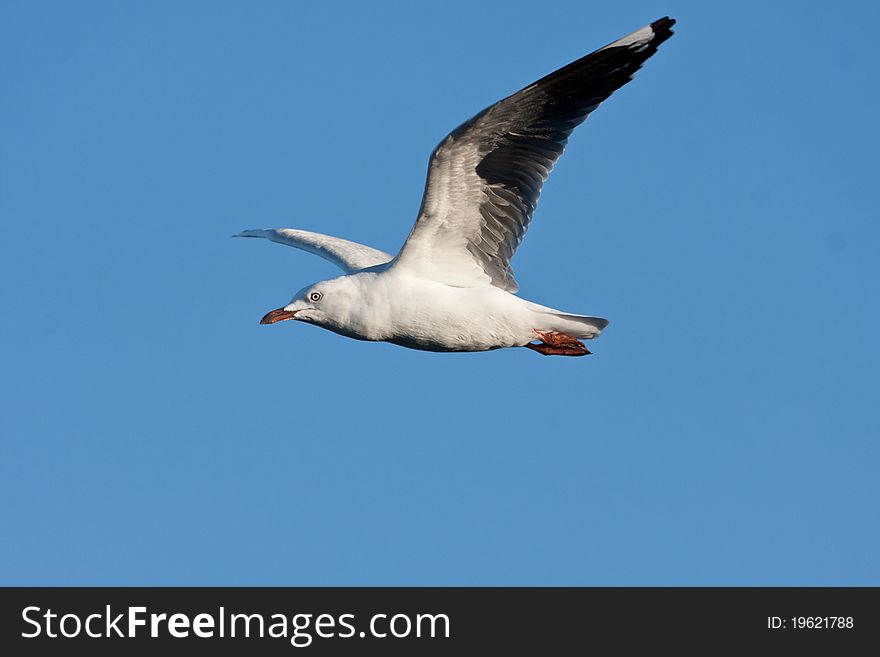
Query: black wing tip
column 662, row 27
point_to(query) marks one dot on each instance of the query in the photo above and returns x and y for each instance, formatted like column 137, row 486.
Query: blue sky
column 721, row 210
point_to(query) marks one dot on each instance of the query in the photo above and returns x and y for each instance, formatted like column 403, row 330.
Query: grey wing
column 485, row 178
column 350, row 256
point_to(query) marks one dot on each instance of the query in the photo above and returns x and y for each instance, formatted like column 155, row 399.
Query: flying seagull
column 450, row 288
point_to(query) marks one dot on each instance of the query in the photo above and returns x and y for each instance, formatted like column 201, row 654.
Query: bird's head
column 326, row 303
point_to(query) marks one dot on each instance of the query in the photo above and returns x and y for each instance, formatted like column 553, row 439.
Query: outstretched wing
column 350, row 256
column 484, row 179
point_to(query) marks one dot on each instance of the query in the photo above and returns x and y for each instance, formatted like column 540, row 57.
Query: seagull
column 451, row 288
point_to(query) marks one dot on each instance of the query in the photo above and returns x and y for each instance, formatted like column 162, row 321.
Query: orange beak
column 279, row 315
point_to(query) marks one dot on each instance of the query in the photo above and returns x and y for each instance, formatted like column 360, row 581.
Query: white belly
column 436, row 317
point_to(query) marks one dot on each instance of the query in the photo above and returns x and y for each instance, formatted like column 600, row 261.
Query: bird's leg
column 558, row 344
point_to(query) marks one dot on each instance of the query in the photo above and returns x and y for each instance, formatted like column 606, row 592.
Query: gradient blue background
column 721, row 211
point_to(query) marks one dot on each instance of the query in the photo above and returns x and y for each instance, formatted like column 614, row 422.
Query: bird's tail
column 582, row 327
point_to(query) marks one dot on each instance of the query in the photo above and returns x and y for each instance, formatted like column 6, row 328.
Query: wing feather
column 485, row 177
column 350, row 256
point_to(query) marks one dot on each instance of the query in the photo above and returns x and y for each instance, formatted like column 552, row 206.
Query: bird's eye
column 315, row 296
